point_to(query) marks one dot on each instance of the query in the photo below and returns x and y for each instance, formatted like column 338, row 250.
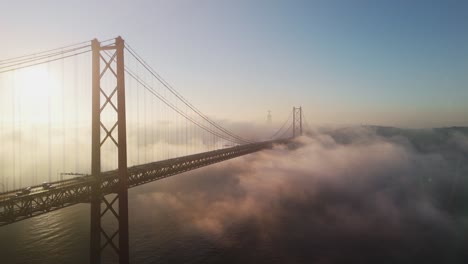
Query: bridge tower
column 297, row 121
column 113, row 98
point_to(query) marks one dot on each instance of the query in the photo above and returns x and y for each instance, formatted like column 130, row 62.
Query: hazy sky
column 395, row 62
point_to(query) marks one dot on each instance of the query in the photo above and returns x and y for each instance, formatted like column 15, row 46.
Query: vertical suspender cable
column 49, row 122
column 34, row 152
column 152, row 125
column 20, row 139
column 75, row 86
column 2, row 157
column 138, row 120
column 145, row 126
column 63, row 116
column 14, row 129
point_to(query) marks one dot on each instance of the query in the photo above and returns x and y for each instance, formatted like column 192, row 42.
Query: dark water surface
column 155, row 237
column 63, row 237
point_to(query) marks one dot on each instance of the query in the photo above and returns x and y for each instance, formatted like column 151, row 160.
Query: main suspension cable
column 180, row 112
column 41, row 62
column 42, row 52
column 179, row 96
column 284, row 124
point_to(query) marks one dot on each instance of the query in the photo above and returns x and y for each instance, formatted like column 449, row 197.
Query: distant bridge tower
column 297, row 121
column 269, row 118
column 113, row 69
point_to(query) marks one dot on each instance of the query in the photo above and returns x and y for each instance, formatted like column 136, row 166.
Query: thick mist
column 335, row 195
column 352, row 195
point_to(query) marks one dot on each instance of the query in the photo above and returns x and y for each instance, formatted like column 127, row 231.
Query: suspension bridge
column 168, row 135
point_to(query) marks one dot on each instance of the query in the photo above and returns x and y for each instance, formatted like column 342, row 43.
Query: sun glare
column 34, row 83
column 36, row 88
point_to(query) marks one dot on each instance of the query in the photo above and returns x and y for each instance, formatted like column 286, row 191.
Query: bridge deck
column 65, row 193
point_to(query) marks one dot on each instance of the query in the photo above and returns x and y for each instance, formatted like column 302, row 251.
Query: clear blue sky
column 402, row 63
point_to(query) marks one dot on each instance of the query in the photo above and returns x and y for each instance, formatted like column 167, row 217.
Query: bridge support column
column 297, row 121
column 113, row 69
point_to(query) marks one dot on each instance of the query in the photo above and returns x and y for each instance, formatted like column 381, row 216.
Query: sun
column 36, row 88
column 34, row 82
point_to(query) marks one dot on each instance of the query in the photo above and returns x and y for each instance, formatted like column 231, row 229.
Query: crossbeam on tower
column 297, row 121
column 113, row 67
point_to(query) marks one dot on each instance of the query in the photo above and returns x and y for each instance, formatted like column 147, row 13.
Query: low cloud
column 331, row 197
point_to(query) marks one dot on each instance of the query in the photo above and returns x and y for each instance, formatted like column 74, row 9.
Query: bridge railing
column 68, row 192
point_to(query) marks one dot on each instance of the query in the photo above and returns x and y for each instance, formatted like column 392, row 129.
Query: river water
column 156, row 236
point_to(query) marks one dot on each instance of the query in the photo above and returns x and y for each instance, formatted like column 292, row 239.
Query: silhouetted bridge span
column 107, row 191
column 64, row 193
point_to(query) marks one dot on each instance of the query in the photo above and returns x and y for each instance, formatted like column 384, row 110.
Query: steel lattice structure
column 78, row 190
column 114, row 68
column 297, row 121
column 107, row 192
